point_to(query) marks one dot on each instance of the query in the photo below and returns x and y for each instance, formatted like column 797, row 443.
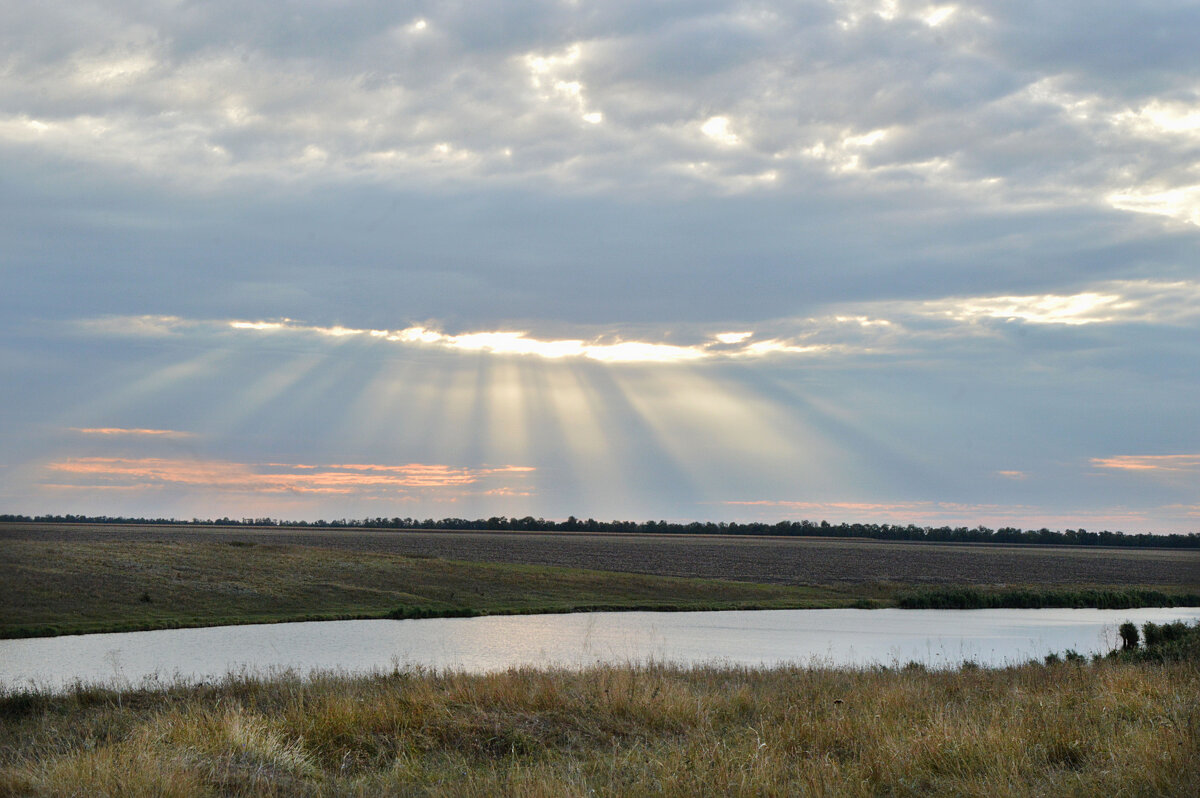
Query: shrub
column 1157, row 634
column 1129, row 635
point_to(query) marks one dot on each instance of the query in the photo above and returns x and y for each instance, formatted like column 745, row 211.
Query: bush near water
column 969, row 598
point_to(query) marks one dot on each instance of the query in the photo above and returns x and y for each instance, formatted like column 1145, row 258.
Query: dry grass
column 1109, row 728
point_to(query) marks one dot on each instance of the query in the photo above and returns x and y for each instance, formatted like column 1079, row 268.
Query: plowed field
column 791, row 561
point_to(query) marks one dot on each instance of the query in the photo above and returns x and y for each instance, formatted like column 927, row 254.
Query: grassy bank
column 49, row 588
column 1113, row 727
column 71, row 587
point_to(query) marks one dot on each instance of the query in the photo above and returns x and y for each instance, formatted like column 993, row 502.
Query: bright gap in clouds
column 510, row 423
column 873, row 327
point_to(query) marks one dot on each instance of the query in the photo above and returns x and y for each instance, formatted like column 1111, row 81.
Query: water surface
column 839, row 637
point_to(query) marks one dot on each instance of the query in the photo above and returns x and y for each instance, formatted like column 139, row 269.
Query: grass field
column 771, row 560
column 67, row 579
column 59, row 588
column 1110, row 727
column 1083, row 729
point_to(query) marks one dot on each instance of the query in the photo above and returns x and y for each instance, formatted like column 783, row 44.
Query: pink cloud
column 1149, row 462
column 91, row 473
column 132, row 432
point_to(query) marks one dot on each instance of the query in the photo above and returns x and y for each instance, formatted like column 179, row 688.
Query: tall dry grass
column 1108, row 728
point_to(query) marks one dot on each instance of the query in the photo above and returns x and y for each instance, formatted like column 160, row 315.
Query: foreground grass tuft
column 1110, row 727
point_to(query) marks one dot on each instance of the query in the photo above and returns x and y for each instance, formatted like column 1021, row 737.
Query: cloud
column 1151, row 463
column 1118, row 301
column 223, row 477
column 871, row 328
column 709, row 97
column 908, row 245
column 134, row 433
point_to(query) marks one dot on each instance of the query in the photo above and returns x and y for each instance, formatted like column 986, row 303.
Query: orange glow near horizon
column 950, row 513
column 115, row 431
column 1153, row 463
column 226, row 476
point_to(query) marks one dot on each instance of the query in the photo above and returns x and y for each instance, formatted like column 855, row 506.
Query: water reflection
column 817, row 637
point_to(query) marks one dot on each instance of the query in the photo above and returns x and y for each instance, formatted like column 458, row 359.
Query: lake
column 837, row 637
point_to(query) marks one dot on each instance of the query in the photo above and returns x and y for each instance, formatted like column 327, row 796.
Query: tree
column 1129, row 636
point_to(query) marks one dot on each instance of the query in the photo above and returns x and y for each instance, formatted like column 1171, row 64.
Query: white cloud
column 1182, row 204
column 1155, row 302
column 187, row 99
column 896, row 328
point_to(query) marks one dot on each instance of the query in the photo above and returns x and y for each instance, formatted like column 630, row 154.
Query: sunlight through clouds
column 546, row 74
column 843, row 332
column 852, row 254
column 937, row 15
column 1181, row 204
column 717, row 129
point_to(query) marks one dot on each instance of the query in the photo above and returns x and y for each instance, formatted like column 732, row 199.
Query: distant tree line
column 911, row 532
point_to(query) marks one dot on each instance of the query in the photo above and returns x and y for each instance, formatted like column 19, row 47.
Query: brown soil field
column 777, row 560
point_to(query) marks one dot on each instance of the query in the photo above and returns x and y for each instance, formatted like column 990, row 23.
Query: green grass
column 1113, row 727
column 49, row 588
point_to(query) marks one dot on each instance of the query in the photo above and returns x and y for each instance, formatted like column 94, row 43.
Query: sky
column 888, row 262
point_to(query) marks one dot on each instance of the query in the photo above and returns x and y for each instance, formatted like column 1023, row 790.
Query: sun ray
column 645, row 464
column 591, row 448
column 243, row 408
column 475, row 424
column 846, row 450
column 132, row 392
column 462, row 418
column 374, row 420
column 719, row 437
column 547, row 436
column 308, row 404
column 507, row 431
